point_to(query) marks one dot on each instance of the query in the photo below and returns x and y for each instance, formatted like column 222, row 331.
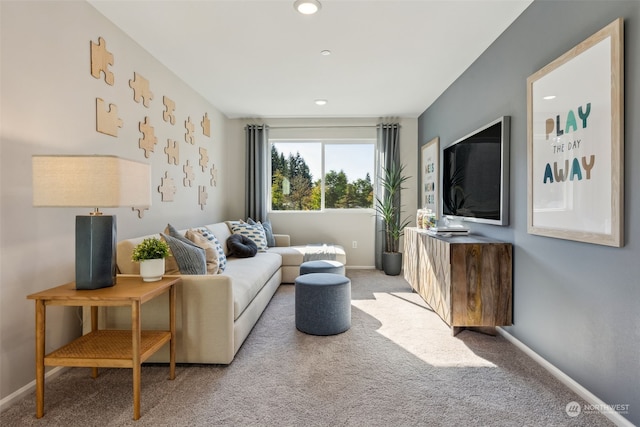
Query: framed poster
column 575, row 142
column 430, row 167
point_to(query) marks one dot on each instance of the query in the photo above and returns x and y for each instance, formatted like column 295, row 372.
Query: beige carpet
column 398, row 365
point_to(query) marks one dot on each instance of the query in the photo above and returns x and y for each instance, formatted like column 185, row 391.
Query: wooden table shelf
column 106, row 348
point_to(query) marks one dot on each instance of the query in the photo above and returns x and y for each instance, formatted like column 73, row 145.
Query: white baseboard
column 565, row 379
column 360, row 267
column 23, row 391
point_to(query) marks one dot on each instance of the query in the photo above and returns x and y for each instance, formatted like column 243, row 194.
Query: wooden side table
column 106, row 348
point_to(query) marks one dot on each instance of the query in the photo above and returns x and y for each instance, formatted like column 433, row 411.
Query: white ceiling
column 261, row 58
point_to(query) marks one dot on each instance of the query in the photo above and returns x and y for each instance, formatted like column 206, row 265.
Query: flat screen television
column 475, row 175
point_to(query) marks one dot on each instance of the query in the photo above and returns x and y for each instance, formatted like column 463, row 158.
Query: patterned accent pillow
column 253, row 232
column 190, row 258
column 268, row 231
column 210, row 252
column 222, row 258
column 230, row 224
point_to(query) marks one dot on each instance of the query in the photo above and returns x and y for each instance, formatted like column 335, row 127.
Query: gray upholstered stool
column 323, row 303
column 322, row 266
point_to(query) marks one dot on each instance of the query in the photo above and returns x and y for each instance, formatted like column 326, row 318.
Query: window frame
column 323, row 143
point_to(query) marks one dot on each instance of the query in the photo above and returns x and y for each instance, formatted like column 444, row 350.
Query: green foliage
column 293, row 188
column 389, row 208
column 335, row 188
column 151, row 248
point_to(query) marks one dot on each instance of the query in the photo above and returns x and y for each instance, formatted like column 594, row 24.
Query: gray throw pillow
column 268, row 230
column 191, row 258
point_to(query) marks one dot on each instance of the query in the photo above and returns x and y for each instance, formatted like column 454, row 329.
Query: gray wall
column 575, row 304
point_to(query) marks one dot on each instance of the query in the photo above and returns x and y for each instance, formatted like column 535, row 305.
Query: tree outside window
column 296, row 178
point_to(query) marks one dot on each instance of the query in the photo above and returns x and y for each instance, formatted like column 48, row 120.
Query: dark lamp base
column 95, row 251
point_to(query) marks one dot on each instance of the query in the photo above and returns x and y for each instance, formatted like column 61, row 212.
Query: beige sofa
column 214, row 313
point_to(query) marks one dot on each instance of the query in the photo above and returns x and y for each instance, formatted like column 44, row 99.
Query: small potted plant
column 151, row 254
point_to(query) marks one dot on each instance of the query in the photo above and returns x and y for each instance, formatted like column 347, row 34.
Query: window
column 327, row 174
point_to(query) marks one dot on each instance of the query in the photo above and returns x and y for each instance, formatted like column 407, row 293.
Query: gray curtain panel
column 387, row 153
column 257, row 137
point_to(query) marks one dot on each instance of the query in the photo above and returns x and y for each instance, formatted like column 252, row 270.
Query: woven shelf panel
column 107, row 344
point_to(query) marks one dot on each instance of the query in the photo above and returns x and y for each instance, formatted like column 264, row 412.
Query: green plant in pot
column 389, row 208
column 150, row 253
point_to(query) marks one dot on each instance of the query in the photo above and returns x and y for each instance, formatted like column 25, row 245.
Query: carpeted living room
column 397, row 365
column 251, row 145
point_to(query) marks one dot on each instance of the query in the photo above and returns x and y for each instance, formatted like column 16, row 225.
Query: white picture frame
column 430, row 175
column 575, row 142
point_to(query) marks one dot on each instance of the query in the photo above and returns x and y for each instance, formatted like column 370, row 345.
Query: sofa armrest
column 204, row 319
column 207, row 319
column 282, row 240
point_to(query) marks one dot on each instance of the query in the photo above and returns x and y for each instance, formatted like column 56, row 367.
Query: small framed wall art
column 430, row 167
column 575, row 142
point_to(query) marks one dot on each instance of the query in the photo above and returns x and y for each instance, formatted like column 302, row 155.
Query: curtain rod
column 324, row 127
column 321, row 127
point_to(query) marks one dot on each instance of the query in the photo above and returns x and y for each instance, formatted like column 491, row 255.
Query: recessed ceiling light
column 321, row 101
column 325, row 52
column 307, row 7
column 549, row 97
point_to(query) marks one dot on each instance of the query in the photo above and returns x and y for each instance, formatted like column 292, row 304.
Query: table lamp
column 93, row 181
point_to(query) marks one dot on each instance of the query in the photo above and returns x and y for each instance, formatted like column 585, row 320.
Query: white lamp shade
column 90, row 181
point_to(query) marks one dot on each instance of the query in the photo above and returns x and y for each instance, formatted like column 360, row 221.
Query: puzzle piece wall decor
column 140, row 211
column 214, row 175
column 189, row 175
column 149, row 140
column 173, row 152
column 169, row 108
column 202, row 196
column 141, row 91
column 101, row 58
column 189, row 136
column 167, row 188
column 107, row 120
column 206, row 125
column 204, row 159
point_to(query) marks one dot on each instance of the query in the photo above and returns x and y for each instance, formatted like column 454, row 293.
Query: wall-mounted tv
column 475, row 175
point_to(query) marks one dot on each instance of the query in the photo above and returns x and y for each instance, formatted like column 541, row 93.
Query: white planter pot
column 152, row 270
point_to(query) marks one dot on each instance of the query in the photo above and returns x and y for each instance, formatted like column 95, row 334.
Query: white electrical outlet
column 354, row 244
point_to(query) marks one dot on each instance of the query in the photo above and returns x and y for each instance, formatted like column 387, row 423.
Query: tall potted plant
column 150, row 253
column 389, row 208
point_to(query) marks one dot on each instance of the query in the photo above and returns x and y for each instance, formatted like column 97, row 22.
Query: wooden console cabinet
column 467, row 280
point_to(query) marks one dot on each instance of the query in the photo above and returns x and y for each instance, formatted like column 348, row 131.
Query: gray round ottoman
column 323, row 303
column 322, row 266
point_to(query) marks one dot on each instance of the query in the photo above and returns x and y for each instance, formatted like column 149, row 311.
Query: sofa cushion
column 253, row 232
column 241, row 246
column 291, row 255
column 190, row 257
column 249, row 276
column 294, row 255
